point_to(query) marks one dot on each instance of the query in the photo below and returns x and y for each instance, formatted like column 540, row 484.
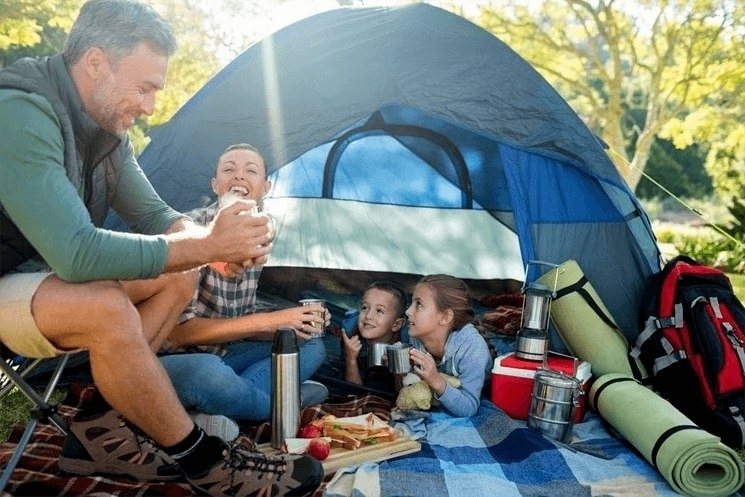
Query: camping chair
column 14, row 371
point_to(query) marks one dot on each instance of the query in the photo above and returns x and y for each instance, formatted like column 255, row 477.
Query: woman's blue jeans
column 237, row 385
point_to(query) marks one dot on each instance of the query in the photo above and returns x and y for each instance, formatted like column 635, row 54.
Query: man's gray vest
column 92, row 158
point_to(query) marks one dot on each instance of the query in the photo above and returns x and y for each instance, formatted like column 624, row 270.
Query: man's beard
column 104, row 113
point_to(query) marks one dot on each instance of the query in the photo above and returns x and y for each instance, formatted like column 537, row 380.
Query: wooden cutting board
column 341, row 458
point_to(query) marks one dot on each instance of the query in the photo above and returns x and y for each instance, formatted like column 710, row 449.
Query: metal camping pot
column 553, row 401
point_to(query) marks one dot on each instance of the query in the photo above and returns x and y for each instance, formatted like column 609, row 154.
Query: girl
column 444, row 341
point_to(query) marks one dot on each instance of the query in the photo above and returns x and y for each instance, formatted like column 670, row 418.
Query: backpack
column 692, row 346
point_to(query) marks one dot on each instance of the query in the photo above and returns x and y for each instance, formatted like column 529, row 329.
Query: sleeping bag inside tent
column 406, row 141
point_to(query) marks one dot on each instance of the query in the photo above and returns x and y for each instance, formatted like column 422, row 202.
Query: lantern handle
column 542, row 263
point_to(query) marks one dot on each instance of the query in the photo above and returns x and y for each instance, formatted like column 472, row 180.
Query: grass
column 738, row 284
column 14, row 410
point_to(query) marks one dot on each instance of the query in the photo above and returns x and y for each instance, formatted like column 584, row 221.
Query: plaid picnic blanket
column 37, row 473
column 489, row 454
column 492, row 454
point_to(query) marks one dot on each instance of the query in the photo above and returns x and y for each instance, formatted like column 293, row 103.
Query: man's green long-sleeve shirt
column 47, row 208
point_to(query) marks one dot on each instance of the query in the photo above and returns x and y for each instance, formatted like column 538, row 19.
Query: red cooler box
column 512, row 382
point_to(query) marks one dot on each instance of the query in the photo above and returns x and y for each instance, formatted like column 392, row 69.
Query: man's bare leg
column 99, row 316
column 160, row 302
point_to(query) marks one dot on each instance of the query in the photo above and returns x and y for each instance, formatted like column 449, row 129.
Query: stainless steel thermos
column 285, row 368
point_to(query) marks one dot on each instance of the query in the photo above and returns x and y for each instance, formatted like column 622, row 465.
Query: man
column 68, row 284
column 227, row 365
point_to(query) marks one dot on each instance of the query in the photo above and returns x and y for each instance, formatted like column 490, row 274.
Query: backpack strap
column 669, row 359
column 653, row 325
column 713, row 302
column 729, row 330
column 737, row 345
column 739, row 419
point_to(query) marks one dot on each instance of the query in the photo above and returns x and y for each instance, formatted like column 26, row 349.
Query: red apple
column 310, row 431
column 319, row 448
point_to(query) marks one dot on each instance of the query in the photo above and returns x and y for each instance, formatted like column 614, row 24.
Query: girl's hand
column 426, row 369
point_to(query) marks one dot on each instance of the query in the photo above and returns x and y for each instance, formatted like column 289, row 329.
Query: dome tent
column 409, row 140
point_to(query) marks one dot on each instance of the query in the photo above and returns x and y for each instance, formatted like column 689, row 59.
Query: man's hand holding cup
column 244, row 234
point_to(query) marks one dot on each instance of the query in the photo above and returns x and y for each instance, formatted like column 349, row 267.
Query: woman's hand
column 301, row 319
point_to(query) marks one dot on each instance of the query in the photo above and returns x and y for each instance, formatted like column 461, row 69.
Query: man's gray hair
column 117, row 27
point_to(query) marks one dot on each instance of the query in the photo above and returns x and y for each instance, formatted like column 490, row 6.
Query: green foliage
column 195, row 60
column 34, row 27
column 738, row 285
column 681, row 172
column 706, row 245
column 705, row 237
column 705, row 249
column 636, row 74
column 737, row 210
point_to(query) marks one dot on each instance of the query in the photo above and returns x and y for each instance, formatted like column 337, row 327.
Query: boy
column 380, row 320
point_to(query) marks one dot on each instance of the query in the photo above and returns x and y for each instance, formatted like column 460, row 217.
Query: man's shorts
column 18, row 330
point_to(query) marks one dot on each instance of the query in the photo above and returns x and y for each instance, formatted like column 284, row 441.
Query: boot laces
column 240, row 459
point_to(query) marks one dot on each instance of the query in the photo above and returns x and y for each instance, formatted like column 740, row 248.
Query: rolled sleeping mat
column 693, row 461
column 583, row 322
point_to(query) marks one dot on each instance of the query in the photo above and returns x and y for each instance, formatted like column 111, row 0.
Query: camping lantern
column 532, row 337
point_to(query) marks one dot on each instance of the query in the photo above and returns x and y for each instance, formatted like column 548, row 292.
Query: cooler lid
column 511, row 365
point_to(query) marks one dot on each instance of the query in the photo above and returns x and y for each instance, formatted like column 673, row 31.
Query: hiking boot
column 244, row 472
column 216, row 425
column 312, row 393
column 105, row 443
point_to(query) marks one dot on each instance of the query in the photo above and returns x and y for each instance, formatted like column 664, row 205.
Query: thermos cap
column 285, row 342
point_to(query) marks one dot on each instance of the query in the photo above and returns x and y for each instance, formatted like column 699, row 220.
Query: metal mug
column 319, row 329
column 377, row 354
column 399, row 361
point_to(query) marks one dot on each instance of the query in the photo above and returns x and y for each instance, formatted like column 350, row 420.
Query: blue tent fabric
column 413, row 106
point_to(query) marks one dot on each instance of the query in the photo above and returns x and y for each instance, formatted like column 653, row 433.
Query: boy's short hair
column 398, row 294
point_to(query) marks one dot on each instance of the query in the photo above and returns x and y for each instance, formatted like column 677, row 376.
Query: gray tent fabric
column 413, row 106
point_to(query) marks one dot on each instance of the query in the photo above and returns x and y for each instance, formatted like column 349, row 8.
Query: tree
column 209, row 34
column 33, row 27
column 612, row 60
column 719, row 120
column 673, row 169
column 195, row 60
